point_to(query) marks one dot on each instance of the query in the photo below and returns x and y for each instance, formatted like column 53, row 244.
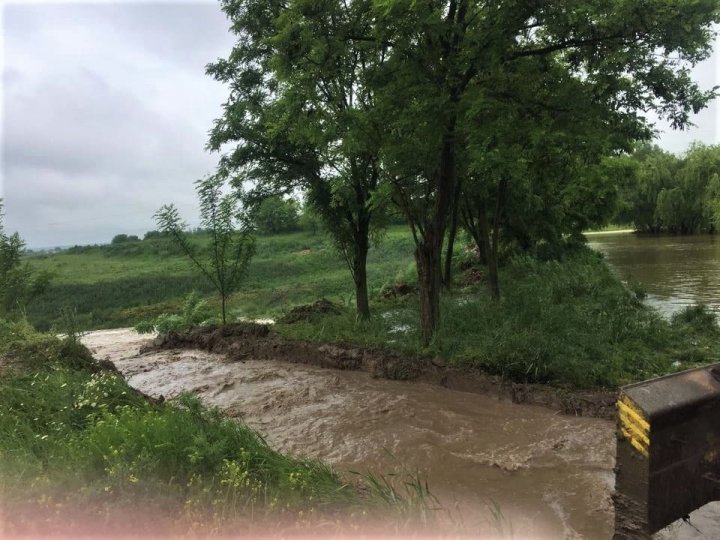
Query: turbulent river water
column 501, row 470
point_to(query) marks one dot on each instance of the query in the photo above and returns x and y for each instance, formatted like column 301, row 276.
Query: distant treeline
column 662, row 192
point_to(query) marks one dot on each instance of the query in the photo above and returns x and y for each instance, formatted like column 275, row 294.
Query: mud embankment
column 258, row 342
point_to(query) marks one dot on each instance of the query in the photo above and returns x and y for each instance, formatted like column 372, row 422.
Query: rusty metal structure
column 668, row 450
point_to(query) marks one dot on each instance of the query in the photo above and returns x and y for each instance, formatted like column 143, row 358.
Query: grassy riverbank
column 77, row 443
column 569, row 323
column 564, row 318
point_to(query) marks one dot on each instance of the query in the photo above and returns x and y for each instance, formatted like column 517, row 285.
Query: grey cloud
column 106, row 112
column 706, row 127
column 105, row 116
column 90, row 126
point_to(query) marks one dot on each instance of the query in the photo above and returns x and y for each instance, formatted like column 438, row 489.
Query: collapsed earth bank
column 242, row 341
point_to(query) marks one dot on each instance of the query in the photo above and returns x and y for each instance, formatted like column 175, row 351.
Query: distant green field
column 119, row 285
column 563, row 319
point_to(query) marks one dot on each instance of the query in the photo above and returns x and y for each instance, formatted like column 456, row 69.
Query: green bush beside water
column 569, row 322
column 72, row 434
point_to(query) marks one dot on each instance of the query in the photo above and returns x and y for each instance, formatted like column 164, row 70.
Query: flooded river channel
column 676, row 271
column 500, row 469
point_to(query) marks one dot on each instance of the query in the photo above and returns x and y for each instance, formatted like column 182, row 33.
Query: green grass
column 71, row 434
column 76, row 437
column 569, row 323
column 564, row 318
column 121, row 285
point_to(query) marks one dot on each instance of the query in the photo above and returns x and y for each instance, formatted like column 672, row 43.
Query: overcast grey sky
column 106, row 109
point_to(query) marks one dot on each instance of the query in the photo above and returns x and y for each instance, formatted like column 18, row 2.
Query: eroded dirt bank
column 242, row 341
column 506, row 470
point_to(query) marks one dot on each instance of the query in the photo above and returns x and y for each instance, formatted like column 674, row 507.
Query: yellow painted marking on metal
column 636, row 432
column 636, row 444
column 633, row 437
column 633, row 425
column 627, row 406
column 644, row 451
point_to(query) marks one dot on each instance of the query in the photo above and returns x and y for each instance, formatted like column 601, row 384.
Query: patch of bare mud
column 502, row 470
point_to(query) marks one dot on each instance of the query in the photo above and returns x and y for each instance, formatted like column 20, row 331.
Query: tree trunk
column 490, row 250
column 223, row 298
column 360, row 275
column 482, row 253
column 428, row 261
column 428, row 252
column 447, row 274
column 472, row 226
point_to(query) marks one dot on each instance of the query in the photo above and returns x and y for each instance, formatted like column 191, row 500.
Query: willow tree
column 676, row 194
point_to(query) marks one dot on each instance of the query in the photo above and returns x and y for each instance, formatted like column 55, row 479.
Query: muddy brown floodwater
column 502, row 470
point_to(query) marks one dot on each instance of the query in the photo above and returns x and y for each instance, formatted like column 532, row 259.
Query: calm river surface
column 676, row 271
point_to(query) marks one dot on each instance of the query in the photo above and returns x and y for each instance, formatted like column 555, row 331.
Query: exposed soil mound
column 398, row 290
column 211, row 338
column 308, row 312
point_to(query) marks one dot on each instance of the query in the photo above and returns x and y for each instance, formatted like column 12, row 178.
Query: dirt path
column 505, row 470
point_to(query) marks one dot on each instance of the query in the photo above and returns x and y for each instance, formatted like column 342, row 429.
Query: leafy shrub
column 124, row 238
column 698, row 319
column 19, row 283
column 170, row 323
column 567, row 322
column 191, row 315
column 276, row 215
column 145, row 327
column 70, row 324
column 225, row 260
column 638, row 289
column 309, row 220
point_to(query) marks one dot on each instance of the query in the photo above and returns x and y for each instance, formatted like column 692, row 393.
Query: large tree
column 668, row 193
column 301, row 115
column 532, row 167
column 395, row 89
column 447, row 54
